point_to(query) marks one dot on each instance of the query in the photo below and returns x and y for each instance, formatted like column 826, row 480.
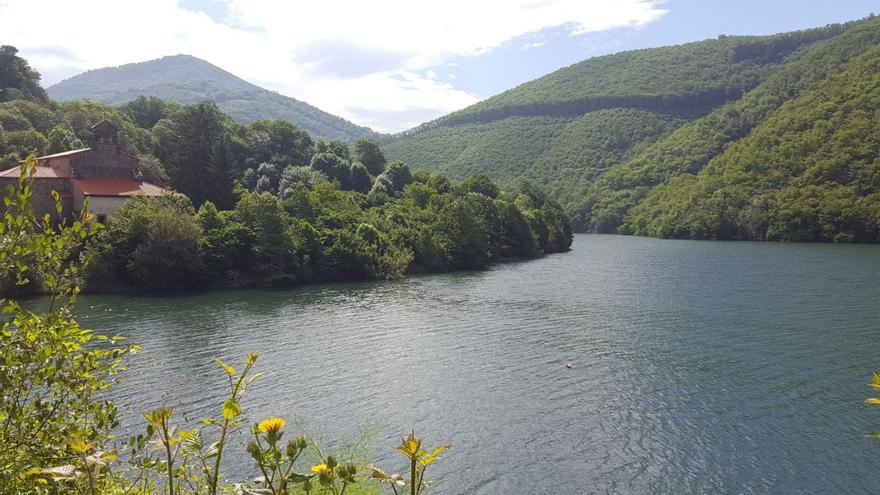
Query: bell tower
column 105, row 137
column 104, row 157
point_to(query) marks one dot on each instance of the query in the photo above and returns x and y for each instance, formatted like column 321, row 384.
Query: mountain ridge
column 187, row 79
column 600, row 134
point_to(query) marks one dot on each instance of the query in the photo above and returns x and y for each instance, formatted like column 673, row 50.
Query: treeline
column 709, row 71
column 563, row 155
column 314, row 231
column 692, row 105
column 264, row 204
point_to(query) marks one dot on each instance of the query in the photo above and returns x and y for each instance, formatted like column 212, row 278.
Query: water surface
column 696, row 366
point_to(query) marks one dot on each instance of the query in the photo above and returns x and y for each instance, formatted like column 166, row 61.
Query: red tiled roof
column 94, row 186
column 40, row 172
column 64, row 153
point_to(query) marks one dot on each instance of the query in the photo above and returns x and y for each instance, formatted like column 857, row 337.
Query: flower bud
column 331, row 462
column 292, row 449
column 347, row 472
column 302, row 442
column 253, row 449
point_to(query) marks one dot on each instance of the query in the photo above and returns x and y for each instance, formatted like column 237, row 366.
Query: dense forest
column 265, row 205
column 757, row 137
column 189, row 80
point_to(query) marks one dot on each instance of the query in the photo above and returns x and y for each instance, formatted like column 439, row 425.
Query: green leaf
column 299, row 478
column 229, row 369
column 424, row 462
column 231, row 409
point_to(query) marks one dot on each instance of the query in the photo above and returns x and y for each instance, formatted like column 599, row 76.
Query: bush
column 53, row 375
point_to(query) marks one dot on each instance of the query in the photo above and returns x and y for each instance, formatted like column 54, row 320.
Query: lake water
column 697, row 367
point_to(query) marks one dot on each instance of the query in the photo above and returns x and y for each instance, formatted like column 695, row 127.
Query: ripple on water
column 697, row 367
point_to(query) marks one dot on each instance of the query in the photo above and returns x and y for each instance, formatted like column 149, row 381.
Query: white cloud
column 294, row 47
column 534, row 44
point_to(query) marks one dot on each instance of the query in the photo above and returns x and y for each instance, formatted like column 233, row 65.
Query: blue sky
column 388, row 64
column 686, row 20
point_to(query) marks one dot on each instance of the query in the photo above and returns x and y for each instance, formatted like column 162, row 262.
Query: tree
column 336, row 147
column 293, row 177
column 395, row 177
column 360, row 178
column 150, row 243
column 18, row 79
column 481, row 184
column 168, row 256
column 146, row 111
column 368, row 153
column 382, row 185
column 62, row 138
column 24, row 143
column 332, row 166
column 419, row 193
column 274, row 259
column 439, row 183
column 263, row 184
column 249, row 178
column 227, row 246
column 278, row 142
column 11, row 119
column 461, row 236
column 151, row 170
column 194, row 146
column 516, row 239
column 270, row 173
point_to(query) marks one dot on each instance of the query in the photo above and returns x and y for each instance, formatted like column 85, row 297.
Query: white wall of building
column 104, row 206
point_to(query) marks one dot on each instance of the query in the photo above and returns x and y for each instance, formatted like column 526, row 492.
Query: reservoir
column 696, row 367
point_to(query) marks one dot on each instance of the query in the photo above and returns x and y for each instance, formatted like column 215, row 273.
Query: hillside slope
column 810, row 171
column 187, row 79
column 686, row 151
column 601, row 134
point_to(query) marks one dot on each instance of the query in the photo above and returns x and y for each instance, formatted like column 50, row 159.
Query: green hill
column 603, row 133
column 186, row 79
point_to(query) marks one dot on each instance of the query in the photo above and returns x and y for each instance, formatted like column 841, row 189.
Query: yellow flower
column 271, row 425
column 78, row 445
column 321, row 469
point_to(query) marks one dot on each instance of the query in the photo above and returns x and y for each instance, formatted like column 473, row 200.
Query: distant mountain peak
column 188, row 79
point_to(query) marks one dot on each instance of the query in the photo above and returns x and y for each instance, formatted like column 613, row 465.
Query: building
column 100, row 173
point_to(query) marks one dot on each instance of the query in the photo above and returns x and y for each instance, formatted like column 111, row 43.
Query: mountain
column 711, row 139
column 187, row 79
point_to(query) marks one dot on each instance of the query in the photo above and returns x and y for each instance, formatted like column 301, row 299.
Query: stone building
column 102, row 173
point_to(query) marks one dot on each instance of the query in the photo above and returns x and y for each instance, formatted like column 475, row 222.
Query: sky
column 386, row 64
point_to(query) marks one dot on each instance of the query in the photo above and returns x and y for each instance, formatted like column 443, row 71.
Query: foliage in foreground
column 53, row 373
column 56, row 422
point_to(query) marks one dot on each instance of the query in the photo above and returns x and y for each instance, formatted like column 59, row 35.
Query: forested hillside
column 186, row 79
column 603, row 133
column 265, row 205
